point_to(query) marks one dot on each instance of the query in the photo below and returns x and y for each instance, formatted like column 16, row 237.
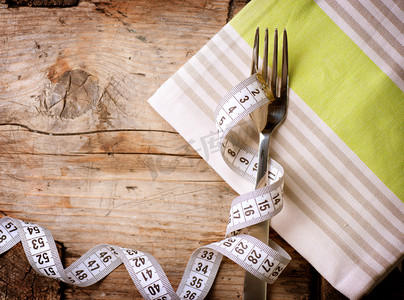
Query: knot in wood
column 71, row 96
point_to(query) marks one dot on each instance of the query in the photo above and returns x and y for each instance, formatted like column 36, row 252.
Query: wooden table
column 83, row 154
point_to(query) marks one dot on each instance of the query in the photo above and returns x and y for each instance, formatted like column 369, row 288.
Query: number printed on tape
column 256, row 257
column 202, row 266
column 106, row 256
column 207, row 255
column 43, row 259
column 197, row 280
column 190, row 293
column 50, row 272
column 233, row 108
column 10, row 227
column 264, row 205
column 82, row 273
column 242, row 249
column 155, row 289
column 5, row 236
column 252, row 167
column 250, row 209
column 94, row 264
column 140, row 263
column 33, row 231
column 147, row 275
column 39, row 244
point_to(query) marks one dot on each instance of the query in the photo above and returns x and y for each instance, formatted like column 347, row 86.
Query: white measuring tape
column 264, row 261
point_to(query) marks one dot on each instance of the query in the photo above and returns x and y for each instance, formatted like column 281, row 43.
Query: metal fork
column 266, row 119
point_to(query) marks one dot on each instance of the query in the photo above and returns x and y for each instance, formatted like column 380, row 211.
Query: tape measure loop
column 239, row 152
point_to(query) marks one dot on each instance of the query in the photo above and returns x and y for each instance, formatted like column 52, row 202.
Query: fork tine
column 284, row 82
column 275, row 65
column 265, row 58
column 254, row 67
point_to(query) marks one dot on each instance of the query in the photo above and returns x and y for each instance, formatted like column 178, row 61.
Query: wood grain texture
column 83, row 154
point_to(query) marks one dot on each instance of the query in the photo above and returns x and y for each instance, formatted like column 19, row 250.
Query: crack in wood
column 85, row 132
column 230, row 9
column 190, row 156
column 42, row 3
column 234, row 7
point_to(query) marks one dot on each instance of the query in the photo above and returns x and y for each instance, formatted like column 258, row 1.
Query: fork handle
column 254, row 288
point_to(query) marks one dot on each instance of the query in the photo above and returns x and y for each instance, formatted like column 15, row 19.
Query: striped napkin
column 342, row 143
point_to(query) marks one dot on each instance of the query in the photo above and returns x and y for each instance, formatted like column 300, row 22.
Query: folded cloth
column 342, row 142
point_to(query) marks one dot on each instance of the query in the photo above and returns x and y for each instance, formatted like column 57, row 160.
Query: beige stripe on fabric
column 332, row 234
column 181, row 83
column 399, row 3
column 220, row 54
column 226, row 61
column 329, row 205
column 389, row 15
column 355, row 171
column 384, row 55
column 378, row 26
column 222, row 80
column 202, row 81
column 227, row 38
column 227, row 85
column 202, row 59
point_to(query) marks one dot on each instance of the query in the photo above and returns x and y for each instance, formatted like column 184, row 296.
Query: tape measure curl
column 264, row 261
column 264, row 203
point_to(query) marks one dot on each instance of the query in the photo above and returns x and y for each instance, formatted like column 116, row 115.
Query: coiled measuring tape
column 264, row 261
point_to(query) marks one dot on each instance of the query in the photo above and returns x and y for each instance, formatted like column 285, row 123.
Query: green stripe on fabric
column 338, row 81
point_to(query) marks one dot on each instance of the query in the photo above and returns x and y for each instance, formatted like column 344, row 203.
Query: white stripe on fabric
column 371, row 180
column 350, row 177
column 384, row 21
column 235, row 52
column 192, row 78
column 297, row 193
column 209, row 76
column 225, row 69
column 341, row 193
column 318, row 247
column 368, row 50
column 398, row 12
column 341, row 207
column 371, row 30
column 328, row 209
column 196, row 100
